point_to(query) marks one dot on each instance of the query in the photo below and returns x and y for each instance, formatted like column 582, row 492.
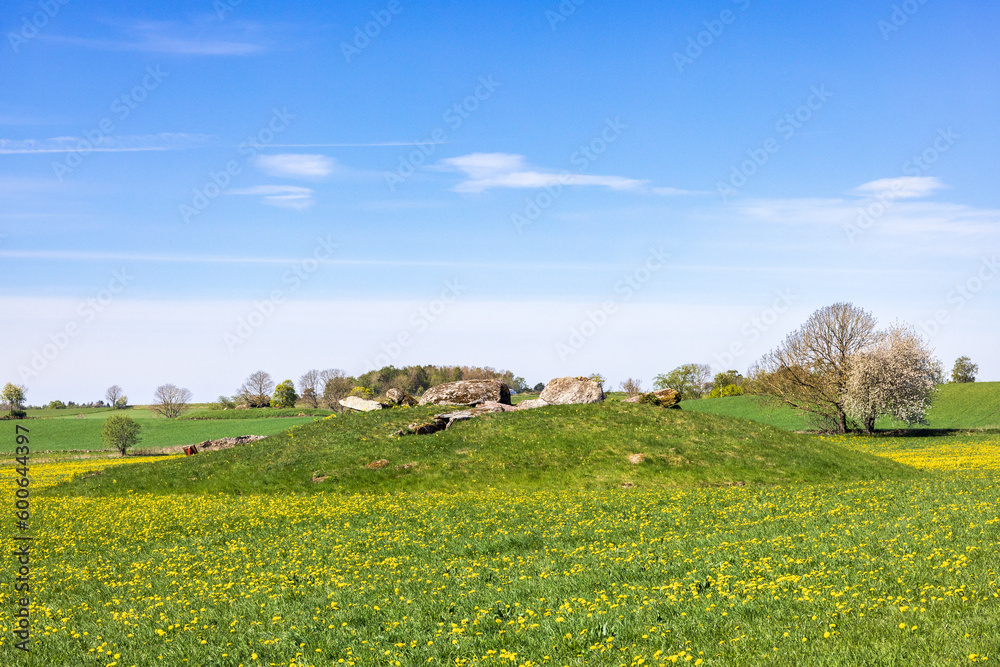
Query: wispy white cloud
column 901, row 187
column 165, row 141
column 295, row 165
column 19, row 120
column 174, row 38
column 922, row 224
column 368, row 144
column 284, row 196
column 126, row 256
column 485, row 171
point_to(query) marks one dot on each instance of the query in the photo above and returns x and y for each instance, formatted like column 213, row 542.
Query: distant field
column 956, row 406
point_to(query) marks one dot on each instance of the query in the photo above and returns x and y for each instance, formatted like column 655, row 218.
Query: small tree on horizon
column 336, row 385
column 632, row 387
column 964, row 370
column 690, row 380
column 120, row 432
column 170, row 400
column 14, row 395
column 113, row 395
column 309, row 383
column 256, row 390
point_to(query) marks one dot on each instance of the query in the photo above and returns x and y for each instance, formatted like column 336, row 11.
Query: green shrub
column 284, row 395
column 120, row 432
column 650, row 399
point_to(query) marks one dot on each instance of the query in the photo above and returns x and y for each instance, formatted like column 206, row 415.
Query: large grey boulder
column 563, row 391
column 533, row 403
column 467, row 392
column 361, row 404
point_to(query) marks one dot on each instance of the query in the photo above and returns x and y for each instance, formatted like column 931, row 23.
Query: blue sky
column 192, row 191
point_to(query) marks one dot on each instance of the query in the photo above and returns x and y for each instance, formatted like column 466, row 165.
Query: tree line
column 326, row 388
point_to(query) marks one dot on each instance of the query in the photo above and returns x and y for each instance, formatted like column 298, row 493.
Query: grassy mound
column 956, row 406
column 558, row 447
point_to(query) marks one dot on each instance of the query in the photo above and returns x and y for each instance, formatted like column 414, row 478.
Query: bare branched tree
column 809, row 370
column 256, row 390
column 632, row 387
column 336, row 385
column 113, row 395
column 309, row 384
column 170, row 400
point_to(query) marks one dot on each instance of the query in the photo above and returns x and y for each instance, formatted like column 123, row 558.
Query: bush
column 363, row 392
column 650, row 399
column 728, row 390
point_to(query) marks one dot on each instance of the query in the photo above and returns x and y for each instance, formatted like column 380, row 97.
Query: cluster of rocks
column 482, row 397
column 561, row 391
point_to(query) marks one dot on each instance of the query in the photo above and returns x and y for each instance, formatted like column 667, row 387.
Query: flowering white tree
column 894, row 377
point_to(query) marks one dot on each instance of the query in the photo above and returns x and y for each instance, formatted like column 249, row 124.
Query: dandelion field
column 888, row 571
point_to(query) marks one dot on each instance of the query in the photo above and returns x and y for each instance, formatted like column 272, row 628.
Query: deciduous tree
column 632, row 387
column 120, row 432
column 114, row 396
column 964, row 370
column 14, row 395
column 809, row 370
column 689, row 380
column 894, row 378
column 311, row 388
column 256, row 390
column 336, row 385
column 725, row 384
column 284, row 395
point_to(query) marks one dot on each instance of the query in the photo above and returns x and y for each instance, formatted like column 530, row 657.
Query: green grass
column 967, row 405
column 751, row 408
column 840, row 573
column 255, row 413
column 972, row 405
column 85, row 434
column 514, row 534
column 575, row 446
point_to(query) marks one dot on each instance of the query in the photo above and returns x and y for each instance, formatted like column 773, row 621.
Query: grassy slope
column 957, row 406
column 748, row 407
column 555, row 447
column 57, row 434
column 970, row 405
